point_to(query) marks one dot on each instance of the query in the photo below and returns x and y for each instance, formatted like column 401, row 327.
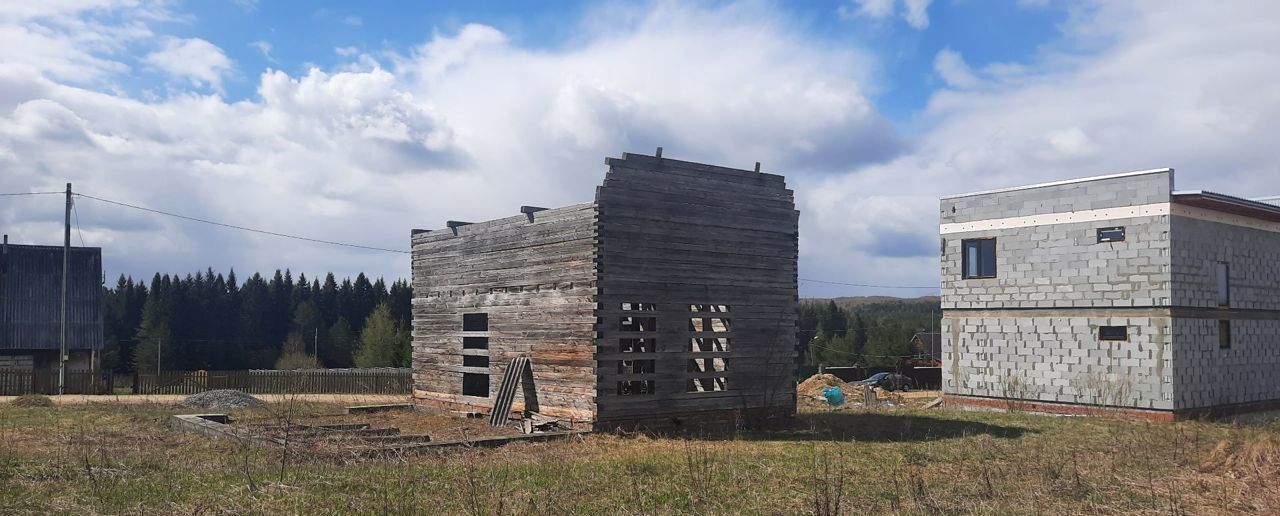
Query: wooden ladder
column 507, row 392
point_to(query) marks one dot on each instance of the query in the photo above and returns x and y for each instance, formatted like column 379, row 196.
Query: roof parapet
column 1065, row 182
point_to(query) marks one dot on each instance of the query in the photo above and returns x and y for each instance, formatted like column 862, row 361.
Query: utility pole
column 316, row 344
column 66, row 266
column 157, row 360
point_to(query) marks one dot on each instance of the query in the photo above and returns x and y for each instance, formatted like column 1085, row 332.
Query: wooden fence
column 304, row 381
column 16, row 382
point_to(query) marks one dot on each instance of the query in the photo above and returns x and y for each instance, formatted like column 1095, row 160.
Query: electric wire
column 356, row 246
column 76, row 213
column 14, row 194
column 242, row 228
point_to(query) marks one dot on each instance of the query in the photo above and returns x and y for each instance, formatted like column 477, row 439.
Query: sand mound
column 32, row 400
column 814, row 385
column 1258, row 458
column 221, row 399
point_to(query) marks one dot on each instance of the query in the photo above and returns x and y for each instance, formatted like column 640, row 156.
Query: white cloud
column 1128, row 88
column 73, row 41
column 193, row 59
column 354, row 21
column 950, row 65
column 915, row 12
column 465, row 126
column 470, row 125
column 265, row 48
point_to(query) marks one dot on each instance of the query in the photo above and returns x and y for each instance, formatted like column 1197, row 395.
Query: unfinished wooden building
column 670, row 299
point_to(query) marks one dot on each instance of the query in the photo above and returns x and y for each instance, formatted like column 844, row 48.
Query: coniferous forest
column 864, row 331
column 214, row 322
column 211, row 322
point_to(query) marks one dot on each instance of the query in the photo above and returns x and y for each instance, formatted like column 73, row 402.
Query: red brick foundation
column 1220, row 411
column 952, row 400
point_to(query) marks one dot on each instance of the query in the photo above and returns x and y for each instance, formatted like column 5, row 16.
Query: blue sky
column 299, row 35
column 356, row 122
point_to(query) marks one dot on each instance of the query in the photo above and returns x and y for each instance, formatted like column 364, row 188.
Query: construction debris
column 814, row 385
column 221, row 399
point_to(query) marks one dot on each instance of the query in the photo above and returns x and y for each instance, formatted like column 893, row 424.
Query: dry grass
column 112, row 459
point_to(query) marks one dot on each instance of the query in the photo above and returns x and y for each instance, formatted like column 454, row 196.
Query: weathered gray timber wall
column 31, row 298
column 536, row 281
column 700, row 262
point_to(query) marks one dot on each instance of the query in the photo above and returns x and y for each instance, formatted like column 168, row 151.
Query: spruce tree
column 382, row 342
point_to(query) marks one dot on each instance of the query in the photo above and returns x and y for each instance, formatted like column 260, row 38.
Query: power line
column 864, row 285
column 242, row 228
column 29, row 193
column 77, row 215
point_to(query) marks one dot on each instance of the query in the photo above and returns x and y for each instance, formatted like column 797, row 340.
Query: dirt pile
column 813, row 386
column 32, row 400
column 221, row 399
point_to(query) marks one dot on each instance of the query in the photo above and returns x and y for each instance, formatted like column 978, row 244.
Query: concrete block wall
column 1059, row 359
column 1207, row 376
column 1248, row 371
column 1253, row 255
column 1032, row 331
column 1129, row 190
column 1063, row 265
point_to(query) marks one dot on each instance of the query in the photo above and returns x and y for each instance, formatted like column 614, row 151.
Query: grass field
column 110, row 459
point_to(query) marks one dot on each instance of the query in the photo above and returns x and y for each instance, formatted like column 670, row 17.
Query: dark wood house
column 31, row 306
column 670, row 299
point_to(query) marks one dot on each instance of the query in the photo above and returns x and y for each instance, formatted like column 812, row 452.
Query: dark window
column 475, row 384
column 475, row 361
column 1224, row 334
column 1224, row 284
column 979, row 260
column 634, row 387
column 638, row 323
column 636, row 366
column 636, row 345
column 709, row 308
column 709, row 344
column 1115, row 234
column 706, row 385
column 1113, row 333
column 475, row 322
column 705, row 365
column 475, row 343
column 711, row 324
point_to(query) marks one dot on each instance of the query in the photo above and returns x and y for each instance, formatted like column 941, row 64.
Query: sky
column 356, row 123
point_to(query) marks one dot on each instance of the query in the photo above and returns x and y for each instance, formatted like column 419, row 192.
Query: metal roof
column 31, row 295
column 1228, row 204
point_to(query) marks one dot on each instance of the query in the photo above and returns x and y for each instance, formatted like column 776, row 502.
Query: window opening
column 979, row 258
